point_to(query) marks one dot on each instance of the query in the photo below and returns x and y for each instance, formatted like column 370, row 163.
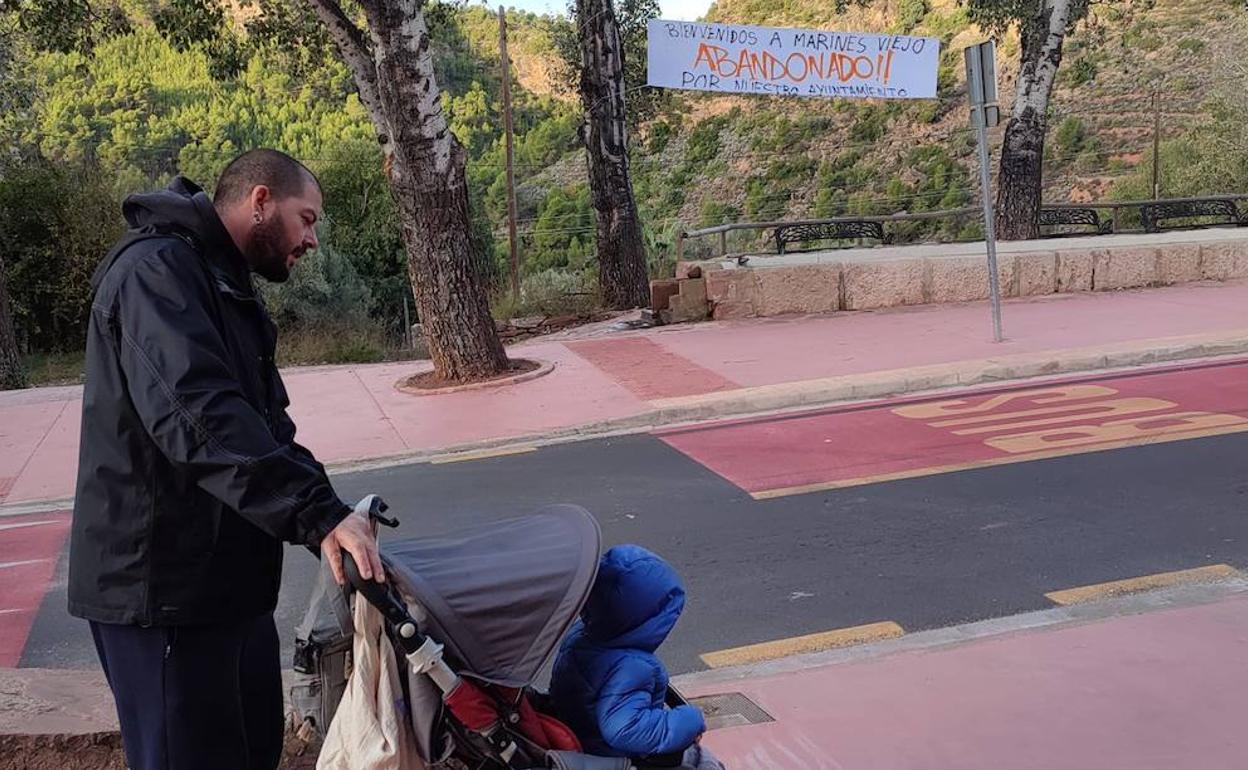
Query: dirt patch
column 520, row 329
column 431, row 380
column 94, row 751
column 103, row 751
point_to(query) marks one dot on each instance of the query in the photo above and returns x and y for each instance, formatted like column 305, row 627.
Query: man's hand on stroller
column 355, row 535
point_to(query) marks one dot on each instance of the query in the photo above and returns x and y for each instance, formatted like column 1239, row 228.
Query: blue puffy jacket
column 608, row 686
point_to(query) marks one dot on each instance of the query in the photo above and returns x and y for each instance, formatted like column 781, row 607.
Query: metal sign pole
column 990, row 230
column 981, row 81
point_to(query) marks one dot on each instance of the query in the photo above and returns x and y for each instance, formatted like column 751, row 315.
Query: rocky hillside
column 710, row 159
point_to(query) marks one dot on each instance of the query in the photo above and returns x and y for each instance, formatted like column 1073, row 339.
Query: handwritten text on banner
column 732, row 58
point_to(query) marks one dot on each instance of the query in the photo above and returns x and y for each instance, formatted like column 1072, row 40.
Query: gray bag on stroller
column 322, row 661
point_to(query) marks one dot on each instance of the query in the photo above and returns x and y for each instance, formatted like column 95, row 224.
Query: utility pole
column 511, row 174
column 1156, row 149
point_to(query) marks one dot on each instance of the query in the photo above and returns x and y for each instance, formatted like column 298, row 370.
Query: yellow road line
column 824, row 486
column 1210, row 574
column 828, row 640
column 484, row 454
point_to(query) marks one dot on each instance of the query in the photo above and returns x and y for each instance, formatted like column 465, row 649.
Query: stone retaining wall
column 709, row 289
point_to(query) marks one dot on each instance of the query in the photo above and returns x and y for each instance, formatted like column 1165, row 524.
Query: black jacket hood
column 183, row 208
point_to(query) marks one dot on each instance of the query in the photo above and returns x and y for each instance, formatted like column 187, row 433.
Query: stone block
column 661, row 293
column 694, row 269
column 689, row 304
column 1224, row 260
column 731, row 293
column 1035, row 273
column 1178, row 263
column 1125, row 268
column 870, row 285
column 799, row 289
column 1074, row 270
column 965, row 279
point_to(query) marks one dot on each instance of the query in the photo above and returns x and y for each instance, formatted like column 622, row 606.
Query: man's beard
column 268, row 254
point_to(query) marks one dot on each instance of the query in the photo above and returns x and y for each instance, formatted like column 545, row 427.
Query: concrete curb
column 1162, row 599
column 797, row 396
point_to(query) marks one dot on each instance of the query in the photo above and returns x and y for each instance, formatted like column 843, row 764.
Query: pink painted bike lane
column 29, row 549
column 1157, row 691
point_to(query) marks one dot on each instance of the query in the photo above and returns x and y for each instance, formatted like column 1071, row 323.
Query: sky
column 685, row 10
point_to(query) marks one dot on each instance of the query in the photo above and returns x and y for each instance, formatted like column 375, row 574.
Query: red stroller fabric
column 477, row 707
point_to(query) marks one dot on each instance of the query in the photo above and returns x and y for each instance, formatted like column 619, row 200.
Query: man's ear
column 261, row 198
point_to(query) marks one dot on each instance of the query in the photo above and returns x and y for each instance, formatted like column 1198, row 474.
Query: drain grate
column 730, row 709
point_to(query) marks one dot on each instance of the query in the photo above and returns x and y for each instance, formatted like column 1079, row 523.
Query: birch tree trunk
column 1019, row 186
column 393, row 71
column 622, row 274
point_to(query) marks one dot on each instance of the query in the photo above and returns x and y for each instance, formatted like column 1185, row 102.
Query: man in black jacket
column 189, row 477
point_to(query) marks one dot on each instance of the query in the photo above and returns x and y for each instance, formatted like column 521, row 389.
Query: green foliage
column 68, row 25
column 830, row 202
column 1071, row 137
column 910, row 13
column 364, row 224
column 703, row 144
column 58, row 368
column 661, row 134
column 324, row 293
column 1142, row 37
column 1192, row 45
column 188, row 24
column 870, row 125
column 562, row 234
column 1080, row 71
column 945, row 26
column 549, row 293
column 717, row 213
column 472, row 117
column 997, row 16
column 56, row 223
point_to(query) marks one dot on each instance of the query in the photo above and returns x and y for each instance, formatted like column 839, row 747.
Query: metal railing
column 1137, row 205
column 947, row 214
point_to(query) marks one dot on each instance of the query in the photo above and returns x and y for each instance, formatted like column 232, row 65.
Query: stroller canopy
column 501, row 596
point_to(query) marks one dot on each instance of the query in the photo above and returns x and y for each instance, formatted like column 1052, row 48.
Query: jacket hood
column 184, row 208
column 636, row 600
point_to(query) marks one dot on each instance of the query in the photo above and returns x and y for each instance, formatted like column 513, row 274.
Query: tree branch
column 354, row 49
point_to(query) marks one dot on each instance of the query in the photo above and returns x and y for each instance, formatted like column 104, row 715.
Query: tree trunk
column 622, row 273
column 12, row 373
column 425, row 165
column 1020, row 185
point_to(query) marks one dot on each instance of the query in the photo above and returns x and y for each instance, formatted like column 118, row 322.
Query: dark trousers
column 196, row 697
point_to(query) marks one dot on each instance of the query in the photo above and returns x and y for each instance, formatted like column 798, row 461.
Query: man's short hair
column 282, row 174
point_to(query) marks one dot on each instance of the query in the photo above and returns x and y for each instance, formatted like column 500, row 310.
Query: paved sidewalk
column 1156, row 691
column 1151, row 682
column 622, row 381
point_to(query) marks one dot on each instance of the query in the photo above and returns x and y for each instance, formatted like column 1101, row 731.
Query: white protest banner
column 738, row 59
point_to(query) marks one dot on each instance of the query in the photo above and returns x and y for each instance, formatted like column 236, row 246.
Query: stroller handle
column 423, row 653
column 382, row 596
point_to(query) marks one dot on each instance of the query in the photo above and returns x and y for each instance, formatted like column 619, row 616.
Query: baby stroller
column 478, row 616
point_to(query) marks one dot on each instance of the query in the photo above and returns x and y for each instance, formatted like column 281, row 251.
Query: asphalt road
column 924, row 552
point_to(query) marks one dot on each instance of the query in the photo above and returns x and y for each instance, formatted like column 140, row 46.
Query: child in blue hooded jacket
column 608, row 685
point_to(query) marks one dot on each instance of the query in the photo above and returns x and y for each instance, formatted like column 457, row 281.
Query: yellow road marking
column 828, row 640
column 484, row 454
column 1210, row 574
column 936, row 470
